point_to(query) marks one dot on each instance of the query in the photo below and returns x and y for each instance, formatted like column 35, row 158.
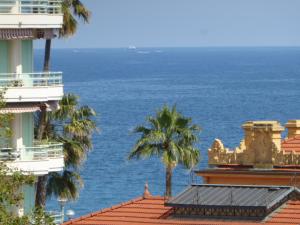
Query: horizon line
column 165, row 47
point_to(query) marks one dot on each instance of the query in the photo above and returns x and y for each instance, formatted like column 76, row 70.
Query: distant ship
column 131, row 47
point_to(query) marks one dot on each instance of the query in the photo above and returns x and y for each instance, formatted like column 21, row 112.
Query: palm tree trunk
column 40, row 197
column 42, row 122
column 47, row 55
column 169, row 181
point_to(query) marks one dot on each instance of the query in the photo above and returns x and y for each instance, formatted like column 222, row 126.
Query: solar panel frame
column 220, row 196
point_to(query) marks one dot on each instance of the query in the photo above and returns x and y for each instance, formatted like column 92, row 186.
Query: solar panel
column 234, row 200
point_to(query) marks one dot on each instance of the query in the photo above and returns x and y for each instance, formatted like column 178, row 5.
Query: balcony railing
column 43, row 79
column 38, row 152
column 42, row 151
column 31, row 6
column 58, row 217
column 8, row 154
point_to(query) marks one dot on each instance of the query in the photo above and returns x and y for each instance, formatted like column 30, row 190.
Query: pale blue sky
column 188, row 23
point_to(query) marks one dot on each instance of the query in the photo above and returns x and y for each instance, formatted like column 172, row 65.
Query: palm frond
column 67, row 107
column 81, row 11
column 74, row 152
column 64, row 185
column 73, row 9
column 170, row 136
column 141, row 129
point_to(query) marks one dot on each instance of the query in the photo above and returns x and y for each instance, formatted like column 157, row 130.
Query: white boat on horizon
column 132, row 47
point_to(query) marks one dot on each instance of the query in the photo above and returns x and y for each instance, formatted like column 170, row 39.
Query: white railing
column 6, row 6
column 49, row 150
column 57, row 217
column 8, row 154
column 38, row 152
column 42, row 79
column 31, row 6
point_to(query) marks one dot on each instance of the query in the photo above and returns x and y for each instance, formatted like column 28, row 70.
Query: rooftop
column 233, row 195
column 291, row 144
column 152, row 210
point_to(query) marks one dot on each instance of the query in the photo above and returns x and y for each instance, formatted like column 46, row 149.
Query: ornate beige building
column 262, row 146
column 263, row 157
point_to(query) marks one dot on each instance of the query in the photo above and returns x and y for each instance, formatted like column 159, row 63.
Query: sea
column 219, row 88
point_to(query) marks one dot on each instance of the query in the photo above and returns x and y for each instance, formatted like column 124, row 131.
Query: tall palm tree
column 73, row 126
column 71, row 10
column 171, row 137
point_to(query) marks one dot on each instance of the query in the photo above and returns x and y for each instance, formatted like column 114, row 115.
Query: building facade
column 264, row 157
column 26, row 90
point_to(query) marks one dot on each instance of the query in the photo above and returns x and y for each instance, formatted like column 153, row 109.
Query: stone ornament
column 261, row 147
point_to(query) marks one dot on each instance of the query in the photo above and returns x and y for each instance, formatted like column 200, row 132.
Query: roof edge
column 110, row 208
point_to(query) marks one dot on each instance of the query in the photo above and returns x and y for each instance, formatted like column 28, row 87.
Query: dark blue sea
column 220, row 88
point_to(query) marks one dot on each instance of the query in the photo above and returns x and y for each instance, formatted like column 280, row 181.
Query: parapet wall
column 260, row 148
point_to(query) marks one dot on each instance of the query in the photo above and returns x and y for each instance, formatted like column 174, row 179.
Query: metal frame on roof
column 230, row 201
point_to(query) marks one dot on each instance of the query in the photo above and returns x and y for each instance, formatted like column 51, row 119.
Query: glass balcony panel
column 43, row 79
column 7, row 5
column 31, row 6
column 56, row 216
column 36, row 153
column 40, row 7
column 55, row 150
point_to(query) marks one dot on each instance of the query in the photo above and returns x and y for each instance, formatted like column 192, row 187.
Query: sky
column 188, row 23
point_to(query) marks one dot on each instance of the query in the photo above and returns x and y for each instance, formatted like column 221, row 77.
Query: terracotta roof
column 291, row 144
column 288, row 214
column 153, row 211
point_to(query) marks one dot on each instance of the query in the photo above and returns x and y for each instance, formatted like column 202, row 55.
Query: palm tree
column 171, row 137
column 70, row 9
column 73, row 126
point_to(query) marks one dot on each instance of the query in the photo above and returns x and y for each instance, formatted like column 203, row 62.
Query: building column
column 16, row 56
column 17, row 136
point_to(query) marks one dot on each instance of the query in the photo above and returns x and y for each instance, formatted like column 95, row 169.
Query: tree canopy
column 171, row 137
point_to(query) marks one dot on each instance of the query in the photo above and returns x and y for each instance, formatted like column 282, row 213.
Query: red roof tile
column 291, row 144
column 153, row 211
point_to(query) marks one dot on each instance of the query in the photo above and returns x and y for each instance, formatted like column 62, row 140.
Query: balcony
column 30, row 14
column 40, row 159
column 32, row 87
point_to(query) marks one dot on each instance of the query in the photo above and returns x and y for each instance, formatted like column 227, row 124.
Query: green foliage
column 11, row 183
column 10, row 194
column 72, row 9
column 76, row 145
column 73, row 126
column 171, row 137
column 5, row 119
column 64, row 185
column 11, row 197
column 40, row 217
